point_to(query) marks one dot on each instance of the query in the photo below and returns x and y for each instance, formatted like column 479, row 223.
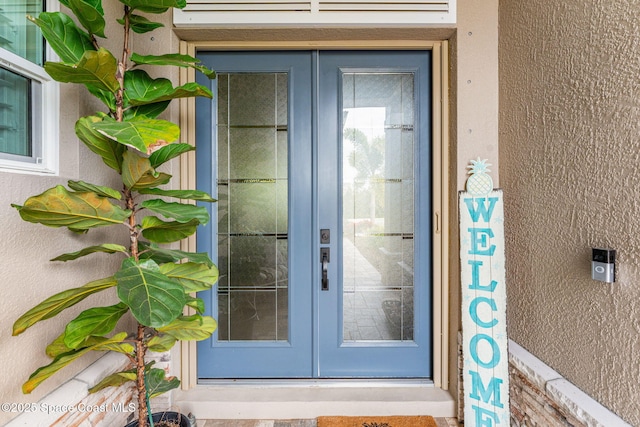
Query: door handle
column 324, row 258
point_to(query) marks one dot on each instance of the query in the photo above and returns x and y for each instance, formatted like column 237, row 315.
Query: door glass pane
column 378, row 206
column 252, row 207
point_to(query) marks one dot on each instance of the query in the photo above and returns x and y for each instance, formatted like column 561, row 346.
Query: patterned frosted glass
column 243, row 316
column 253, row 206
column 378, row 206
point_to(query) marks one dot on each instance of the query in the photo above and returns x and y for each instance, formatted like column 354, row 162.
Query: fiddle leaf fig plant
column 154, row 284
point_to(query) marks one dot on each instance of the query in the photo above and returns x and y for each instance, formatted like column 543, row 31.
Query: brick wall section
column 539, row 396
column 110, row 407
column 531, row 406
column 71, row 405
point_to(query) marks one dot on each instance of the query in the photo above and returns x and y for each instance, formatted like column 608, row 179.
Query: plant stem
column 130, row 204
column 122, row 67
column 94, row 42
column 140, row 385
column 141, row 349
column 127, row 28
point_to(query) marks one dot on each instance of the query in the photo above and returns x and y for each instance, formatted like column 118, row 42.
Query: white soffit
column 209, row 13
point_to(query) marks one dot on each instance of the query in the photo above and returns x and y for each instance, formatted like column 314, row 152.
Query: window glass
column 28, row 97
column 15, row 103
column 17, row 34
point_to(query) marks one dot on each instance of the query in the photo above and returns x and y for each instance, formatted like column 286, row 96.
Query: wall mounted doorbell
column 603, row 265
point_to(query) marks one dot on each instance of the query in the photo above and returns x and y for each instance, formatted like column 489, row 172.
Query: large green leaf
column 135, row 168
column 154, row 6
column 138, row 85
column 98, row 189
column 97, row 321
column 90, row 14
column 141, row 89
column 180, row 194
column 155, row 299
column 108, row 248
column 167, row 93
column 95, row 68
column 196, row 303
column 181, row 212
column 193, row 277
column 140, row 24
column 175, row 59
column 110, row 151
column 119, row 347
column 119, row 378
column 62, row 360
column 150, row 111
column 169, row 152
column 137, row 172
column 159, row 231
column 157, row 384
column 161, row 343
column 64, row 37
column 163, row 255
column 108, row 98
column 57, row 347
column 58, row 207
column 145, row 135
column 114, row 380
column 55, row 304
column 190, row 328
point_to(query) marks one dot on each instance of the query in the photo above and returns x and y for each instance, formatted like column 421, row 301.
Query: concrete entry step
column 308, row 401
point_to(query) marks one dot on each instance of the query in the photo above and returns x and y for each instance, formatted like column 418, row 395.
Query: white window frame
column 45, row 113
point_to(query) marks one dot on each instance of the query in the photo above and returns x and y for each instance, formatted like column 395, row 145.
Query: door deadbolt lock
column 325, row 236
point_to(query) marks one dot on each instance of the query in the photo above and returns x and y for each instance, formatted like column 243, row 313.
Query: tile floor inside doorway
column 442, row 422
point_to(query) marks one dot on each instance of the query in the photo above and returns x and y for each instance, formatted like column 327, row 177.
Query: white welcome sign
column 484, row 302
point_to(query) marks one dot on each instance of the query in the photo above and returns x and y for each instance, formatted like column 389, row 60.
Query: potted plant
column 154, row 283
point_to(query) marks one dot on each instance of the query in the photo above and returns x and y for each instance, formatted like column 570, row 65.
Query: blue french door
column 320, row 162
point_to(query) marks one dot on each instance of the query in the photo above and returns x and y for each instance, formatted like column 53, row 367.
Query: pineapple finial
column 479, row 183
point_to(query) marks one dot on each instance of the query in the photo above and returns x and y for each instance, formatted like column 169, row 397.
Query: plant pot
column 158, row 417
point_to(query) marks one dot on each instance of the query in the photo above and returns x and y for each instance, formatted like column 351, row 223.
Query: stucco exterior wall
column 569, row 114
column 28, row 277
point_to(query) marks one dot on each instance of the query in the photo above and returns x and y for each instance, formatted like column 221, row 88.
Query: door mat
column 395, row 421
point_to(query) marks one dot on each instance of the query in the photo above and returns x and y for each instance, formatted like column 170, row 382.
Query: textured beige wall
column 27, row 275
column 569, row 147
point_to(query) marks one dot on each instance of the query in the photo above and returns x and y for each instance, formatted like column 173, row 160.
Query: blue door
column 320, row 162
